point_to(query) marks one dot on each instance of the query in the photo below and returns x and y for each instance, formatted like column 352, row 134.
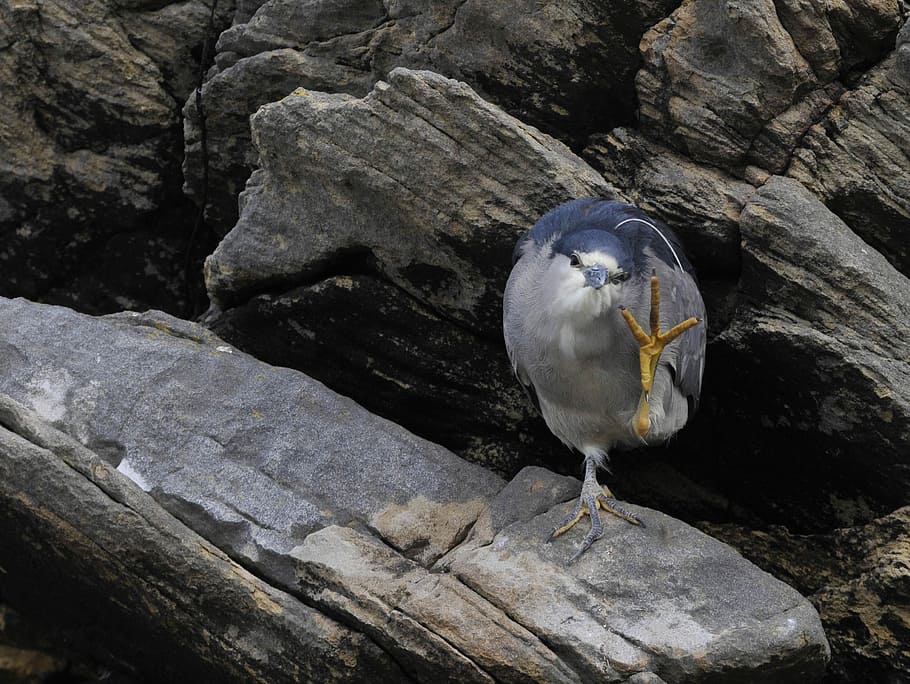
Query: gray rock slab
column 567, row 68
column 256, row 456
column 337, row 185
column 818, row 320
column 93, row 558
column 354, row 515
column 364, row 338
column 659, row 599
column 856, row 158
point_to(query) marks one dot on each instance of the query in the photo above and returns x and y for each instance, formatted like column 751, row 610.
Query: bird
column 582, row 278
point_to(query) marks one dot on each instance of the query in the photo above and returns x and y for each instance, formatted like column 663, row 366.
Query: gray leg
column 592, row 497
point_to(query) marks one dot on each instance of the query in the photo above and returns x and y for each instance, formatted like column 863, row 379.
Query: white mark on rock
column 224, row 348
column 47, row 392
column 127, row 469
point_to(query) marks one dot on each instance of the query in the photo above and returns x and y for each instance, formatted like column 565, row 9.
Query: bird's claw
column 650, row 348
column 588, row 504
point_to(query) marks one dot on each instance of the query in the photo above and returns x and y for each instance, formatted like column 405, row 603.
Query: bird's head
column 589, row 268
column 595, row 259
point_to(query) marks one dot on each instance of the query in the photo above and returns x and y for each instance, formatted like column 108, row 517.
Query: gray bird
column 582, row 278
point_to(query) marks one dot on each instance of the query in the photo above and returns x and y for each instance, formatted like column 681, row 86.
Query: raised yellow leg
column 650, row 348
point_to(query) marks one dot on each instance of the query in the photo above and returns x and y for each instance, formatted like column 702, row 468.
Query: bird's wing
column 654, row 244
column 688, row 364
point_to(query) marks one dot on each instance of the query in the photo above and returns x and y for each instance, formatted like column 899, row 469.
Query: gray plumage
column 568, row 341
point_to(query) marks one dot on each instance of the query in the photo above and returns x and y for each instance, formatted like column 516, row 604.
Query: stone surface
column 398, row 358
column 405, row 256
column 90, row 209
column 338, row 197
column 716, row 74
column 857, row 158
column 256, row 436
column 127, row 582
column 607, row 609
column 565, row 67
column 352, row 514
column 858, row 578
column 816, row 321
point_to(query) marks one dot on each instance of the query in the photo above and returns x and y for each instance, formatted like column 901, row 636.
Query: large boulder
column 857, row 158
column 816, row 320
column 438, row 562
column 716, row 73
column 90, row 213
column 565, row 67
column 345, row 241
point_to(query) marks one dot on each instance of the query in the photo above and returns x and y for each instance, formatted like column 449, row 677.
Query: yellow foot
column 650, row 348
column 593, row 497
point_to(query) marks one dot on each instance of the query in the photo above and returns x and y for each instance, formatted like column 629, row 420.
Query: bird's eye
column 574, row 260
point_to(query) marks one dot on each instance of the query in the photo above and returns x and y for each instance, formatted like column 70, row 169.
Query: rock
column 717, row 74
column 127, row 581
column 816, row 321
column 669, row 628
column 355, row 333
column 288, row 492
column 90, row 144
column 334, row 204
column 859, row 580
column 352, row 514
column 857, row 158
column 313, row 206
column 567, row 68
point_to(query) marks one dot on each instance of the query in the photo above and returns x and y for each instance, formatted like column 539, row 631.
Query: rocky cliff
column 356, row 172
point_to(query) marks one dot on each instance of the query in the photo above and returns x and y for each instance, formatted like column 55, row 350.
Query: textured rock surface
column 90, row 209
column 340, row 195
column 858, row 578
column 349, row 512
column 411, row 258
column 566, row 67
column 119, row 559
column 857, row 158
column 717, row 73
column 820, row 331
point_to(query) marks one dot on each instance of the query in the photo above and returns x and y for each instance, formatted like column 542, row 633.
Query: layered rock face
column 431, row 567
column 369, row 166
column 91, row 213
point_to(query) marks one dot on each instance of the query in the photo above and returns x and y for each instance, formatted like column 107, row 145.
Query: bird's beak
column 595, row 276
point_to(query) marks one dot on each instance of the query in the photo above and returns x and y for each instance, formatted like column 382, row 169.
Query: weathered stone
column 566, row 67
column 857, row 159
column 816, row 323
column 361, row 337
column 431, row 621
column 84, row 544
column 90, row 144
column 773, row 148
column 609, row 626
column 289, row 478
column 714, row 74
column 717, row 73
column 858, row 578
column 320, row 448
column 328, row 192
